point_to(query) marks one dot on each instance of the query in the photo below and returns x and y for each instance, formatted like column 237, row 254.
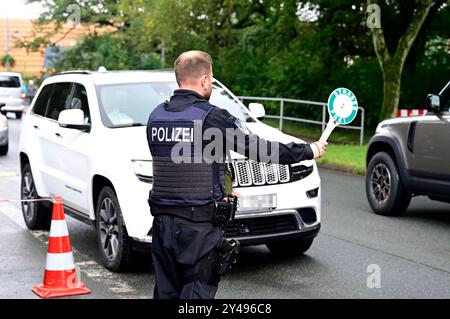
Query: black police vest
column 181, row 177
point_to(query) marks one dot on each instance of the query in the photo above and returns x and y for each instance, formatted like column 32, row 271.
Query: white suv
column 11, row 93
column 84, row 138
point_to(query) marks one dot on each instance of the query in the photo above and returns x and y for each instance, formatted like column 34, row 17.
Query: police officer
column 185, row 246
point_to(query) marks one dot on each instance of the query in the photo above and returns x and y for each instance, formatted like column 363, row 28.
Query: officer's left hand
column 230, row 198
column 319, row 149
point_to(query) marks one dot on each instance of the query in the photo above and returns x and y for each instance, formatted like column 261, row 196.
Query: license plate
column 257, row 203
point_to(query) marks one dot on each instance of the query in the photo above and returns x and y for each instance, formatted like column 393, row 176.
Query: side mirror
column 74, row 119
column 433, row 103
column 257, row 110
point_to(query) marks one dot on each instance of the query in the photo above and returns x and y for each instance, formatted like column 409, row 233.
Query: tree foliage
column 8, row 61
column 283, row 48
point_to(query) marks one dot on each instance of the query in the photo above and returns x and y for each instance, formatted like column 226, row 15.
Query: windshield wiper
column 129, row 125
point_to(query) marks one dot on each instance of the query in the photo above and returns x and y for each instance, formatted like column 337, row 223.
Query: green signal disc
column 342, row 106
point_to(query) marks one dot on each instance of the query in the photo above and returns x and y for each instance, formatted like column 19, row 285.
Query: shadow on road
column 441, row 216
column 253, row 259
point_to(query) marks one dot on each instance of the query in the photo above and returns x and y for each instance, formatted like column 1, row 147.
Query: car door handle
column 58, row 134
column 36, row 127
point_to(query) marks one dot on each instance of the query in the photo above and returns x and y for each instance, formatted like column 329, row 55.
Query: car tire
column 18, row 115
column 4, row 149
column 37, row 215
column 290, row 247
column 384, row 189
column 114, row 244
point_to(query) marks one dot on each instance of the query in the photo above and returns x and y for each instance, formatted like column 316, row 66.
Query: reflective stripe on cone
column 59, row 262
column 58, row 228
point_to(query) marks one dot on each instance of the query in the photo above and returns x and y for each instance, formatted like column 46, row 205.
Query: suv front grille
column 251, row 173
column 261, row 226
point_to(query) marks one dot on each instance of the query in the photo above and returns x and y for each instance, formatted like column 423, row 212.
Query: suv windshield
column 130, row 104
column 8, row 81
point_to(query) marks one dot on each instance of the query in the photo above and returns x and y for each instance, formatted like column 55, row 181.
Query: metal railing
column 323, row 122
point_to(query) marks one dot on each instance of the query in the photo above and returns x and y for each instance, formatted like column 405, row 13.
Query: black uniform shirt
column 222, row 120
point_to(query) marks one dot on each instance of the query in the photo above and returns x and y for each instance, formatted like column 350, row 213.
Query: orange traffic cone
column 60, row 278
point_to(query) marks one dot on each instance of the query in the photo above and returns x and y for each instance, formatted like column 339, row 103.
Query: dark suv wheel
column 290, row 247
column 384, row 188
column 4, row 149
column 37, row 215
column 114, row 244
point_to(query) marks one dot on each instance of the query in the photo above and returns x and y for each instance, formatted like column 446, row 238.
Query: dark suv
column 409, row 157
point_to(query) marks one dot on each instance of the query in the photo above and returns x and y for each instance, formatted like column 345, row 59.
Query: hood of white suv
column 132, row 141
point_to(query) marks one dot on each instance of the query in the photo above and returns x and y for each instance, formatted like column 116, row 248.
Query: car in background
column 84, row 138
column 11, row 93
column 3, row 135
column 410, row 157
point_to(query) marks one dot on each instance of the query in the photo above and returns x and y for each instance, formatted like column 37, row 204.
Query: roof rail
column 74, row 72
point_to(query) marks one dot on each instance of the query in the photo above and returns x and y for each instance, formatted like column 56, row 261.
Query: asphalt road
column 411, row 253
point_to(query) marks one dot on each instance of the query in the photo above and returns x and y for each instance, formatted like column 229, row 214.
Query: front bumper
column 298, row 230
column 252, row 231
column 12, row 105
column 295, row 216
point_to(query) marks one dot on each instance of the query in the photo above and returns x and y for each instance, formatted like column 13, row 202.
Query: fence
column 323, row 122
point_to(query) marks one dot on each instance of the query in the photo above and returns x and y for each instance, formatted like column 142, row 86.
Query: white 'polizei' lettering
column 168, row 139
column 176, row 134
column 187, row 134
column 160, row 136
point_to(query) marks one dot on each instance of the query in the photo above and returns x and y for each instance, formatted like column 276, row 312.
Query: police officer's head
column 193, row 70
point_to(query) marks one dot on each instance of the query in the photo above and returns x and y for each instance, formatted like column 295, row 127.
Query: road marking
column 91, row 268
column 8, row 174
column 13, row 213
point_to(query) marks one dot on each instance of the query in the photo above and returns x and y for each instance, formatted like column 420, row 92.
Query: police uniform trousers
column 184, row 258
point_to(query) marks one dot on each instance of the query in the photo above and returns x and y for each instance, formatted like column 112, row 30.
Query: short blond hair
column 191, row 65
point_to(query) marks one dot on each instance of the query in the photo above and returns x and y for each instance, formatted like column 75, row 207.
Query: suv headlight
column 143, row 170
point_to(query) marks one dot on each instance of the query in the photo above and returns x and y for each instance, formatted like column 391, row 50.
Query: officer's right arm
column 237, row 138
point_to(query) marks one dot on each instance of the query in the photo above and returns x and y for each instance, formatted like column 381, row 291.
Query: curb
column 338, row 168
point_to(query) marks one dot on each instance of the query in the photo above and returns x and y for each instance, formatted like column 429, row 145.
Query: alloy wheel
column 109, row 229
column 381, row 182
column 28, row 192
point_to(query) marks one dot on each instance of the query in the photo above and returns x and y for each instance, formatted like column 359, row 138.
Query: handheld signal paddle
column 342, row 108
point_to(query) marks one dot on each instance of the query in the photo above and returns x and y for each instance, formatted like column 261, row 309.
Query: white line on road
column 8, row 174
column 91, row 269
column 13, row 213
